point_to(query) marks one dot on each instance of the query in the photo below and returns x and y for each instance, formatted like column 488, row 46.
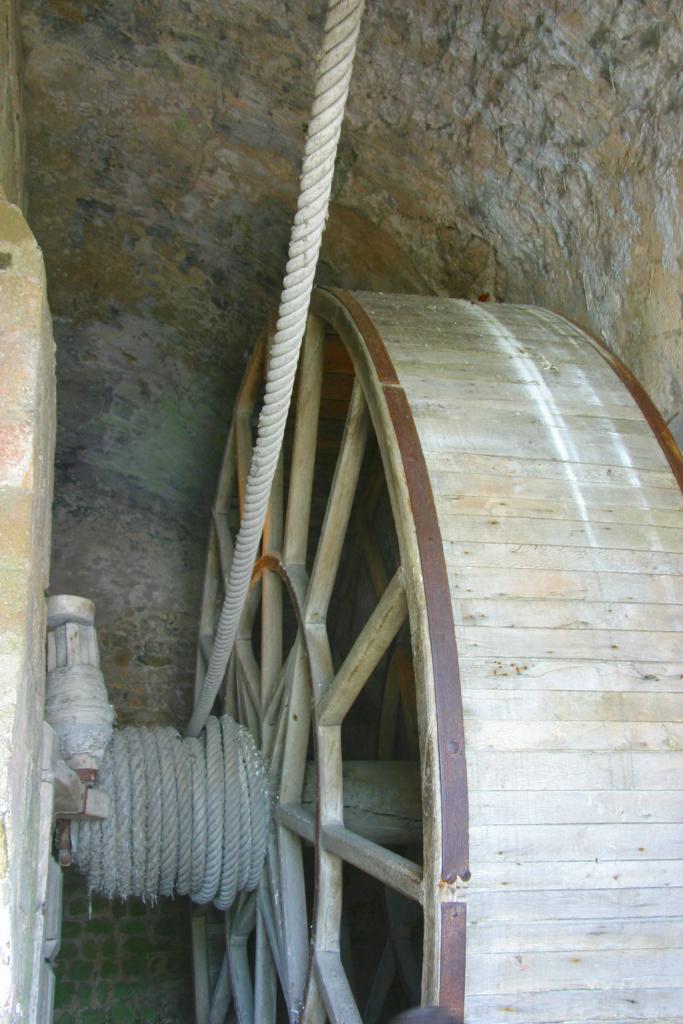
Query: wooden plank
column 523, row 467
column 559, row 445
column 604, row 644
column 377, row 633
column 584, row 877
column 575, row 771
column 575, row 936
column 538, row 418
column 567, row 614
column 547, row 972
column 653, row 1006
column 561, row 534
column 386, row 866
column 574, row 507
column 485, row 367
column 569, row 706
column 568, row 489
column 614, row 403
column 624, row 587
column 581, row 842
column 515, row 906
column 595, row 736
column 465, row 554
column 541, row 362
column 575, row 677
column 518, row 807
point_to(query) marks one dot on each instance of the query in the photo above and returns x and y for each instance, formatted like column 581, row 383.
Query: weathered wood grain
column 562, row 526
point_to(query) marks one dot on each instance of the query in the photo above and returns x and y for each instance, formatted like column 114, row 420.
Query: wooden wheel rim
column 543, row 468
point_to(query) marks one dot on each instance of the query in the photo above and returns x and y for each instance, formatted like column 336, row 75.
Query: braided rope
column 170, row 832
column 195, row 753
column 184, row 796
column 138, row 804
column 186, row 816
column 124, row 866
column 257, row 780
column 245, row 851
column 232, row 838
column 332, row 84
column 214, row 811
column 152, row 783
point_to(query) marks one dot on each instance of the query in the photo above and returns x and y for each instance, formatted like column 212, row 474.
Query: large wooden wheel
column 449, row 463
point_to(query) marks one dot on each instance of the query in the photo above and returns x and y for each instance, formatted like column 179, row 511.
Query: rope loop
column 187, row 815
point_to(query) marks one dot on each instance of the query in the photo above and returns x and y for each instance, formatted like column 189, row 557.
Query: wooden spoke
column 390, row 868
column 230, row 689
column 272, row 920
column 334, row 988
column 296, row 718
column 207, row 619
column 271, row 593
column 226, row 478
column 303, row 453
column 338, row 508
column 274, row 714
column 244, row 444
column 377, row 634
column 265, row 994
column 240, row 923
column 205, row 645
column 242, row 422
column 298, row 819
column 247, row 686
column 224, row 543
column 220, row 1001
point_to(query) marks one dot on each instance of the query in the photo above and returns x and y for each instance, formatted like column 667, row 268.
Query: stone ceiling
column 531, row 151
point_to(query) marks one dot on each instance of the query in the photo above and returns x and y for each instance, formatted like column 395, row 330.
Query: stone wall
column 27, row 430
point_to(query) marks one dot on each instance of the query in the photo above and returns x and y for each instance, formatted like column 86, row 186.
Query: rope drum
column 188, row 816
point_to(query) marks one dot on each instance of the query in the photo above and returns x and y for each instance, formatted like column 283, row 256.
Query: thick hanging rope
column 331, row 90
column 187, row 816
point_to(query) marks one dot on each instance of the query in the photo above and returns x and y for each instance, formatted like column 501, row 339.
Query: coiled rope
column 331, row 90
column 187, row 816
